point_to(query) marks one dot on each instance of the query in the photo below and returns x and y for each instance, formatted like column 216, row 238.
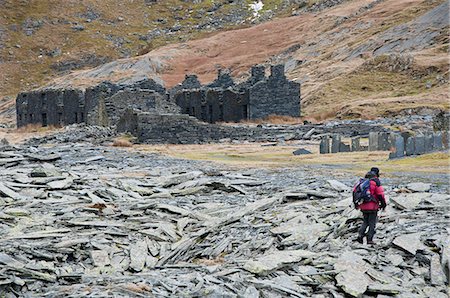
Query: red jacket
column 377, row 191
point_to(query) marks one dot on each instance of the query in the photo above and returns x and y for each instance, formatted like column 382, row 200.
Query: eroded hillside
column 360, row 58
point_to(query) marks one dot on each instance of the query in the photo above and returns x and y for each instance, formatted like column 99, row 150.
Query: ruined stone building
column 225, row 101
column 220, row 101
column 103, row 104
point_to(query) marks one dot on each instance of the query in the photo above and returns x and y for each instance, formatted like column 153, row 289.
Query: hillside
column 357, row 58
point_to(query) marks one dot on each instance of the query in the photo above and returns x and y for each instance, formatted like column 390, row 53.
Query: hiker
column 369, row 198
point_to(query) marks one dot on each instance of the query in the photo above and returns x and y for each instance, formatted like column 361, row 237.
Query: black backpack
column 361, row 192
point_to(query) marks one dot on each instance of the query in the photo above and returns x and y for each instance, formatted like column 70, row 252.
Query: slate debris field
column 83, row 220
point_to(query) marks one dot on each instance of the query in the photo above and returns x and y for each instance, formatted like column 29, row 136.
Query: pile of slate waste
column 82, row 220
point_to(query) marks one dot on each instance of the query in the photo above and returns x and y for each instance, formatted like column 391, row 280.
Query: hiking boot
column 360, row 239
column 370, row 242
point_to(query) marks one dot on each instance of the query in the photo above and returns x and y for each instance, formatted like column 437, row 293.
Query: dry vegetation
column 276, row 119
column 122, row 143
column 255, row 155
column 114, row 31
column 16, row 136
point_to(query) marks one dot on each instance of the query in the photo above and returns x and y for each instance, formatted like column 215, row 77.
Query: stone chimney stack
column 257, row 73
column 277, row 71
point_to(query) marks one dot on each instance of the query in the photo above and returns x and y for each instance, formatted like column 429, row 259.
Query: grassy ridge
column 116, row 29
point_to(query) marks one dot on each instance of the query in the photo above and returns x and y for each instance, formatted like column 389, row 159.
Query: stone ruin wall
column 50, row 107
column 274, row 96
column 184, row 129
column 399, row 144
column 220, row 101
column 213, row 105
column 99, row 105
column 153, row 128
column 225, row 101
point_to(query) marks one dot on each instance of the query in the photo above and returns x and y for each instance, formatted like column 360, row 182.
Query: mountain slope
column 361, row 58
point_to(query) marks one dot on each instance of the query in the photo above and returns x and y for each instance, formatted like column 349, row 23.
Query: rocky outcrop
column 415, row 35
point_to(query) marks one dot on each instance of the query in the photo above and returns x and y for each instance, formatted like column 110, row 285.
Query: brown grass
column 322, row 116
column 256, row 156
column 275, row 119
column 122, row 143
column 16, row 136
column 35, row 128
column 138, row 288
column 217, row 261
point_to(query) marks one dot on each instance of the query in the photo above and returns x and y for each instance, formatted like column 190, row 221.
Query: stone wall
column 418, row 144
column 275, row 95
column 399, row 144
column 214, row 105
column 223, row 100
column 106, row 102
column 184, row 129
column 223, row 80
column 190, row 82
column 50, row 107
column 98, row 105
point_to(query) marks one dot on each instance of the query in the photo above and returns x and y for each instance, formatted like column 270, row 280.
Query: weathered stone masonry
column 225, row 101
column 50, row 107
column 99, row 105
column 220, row 101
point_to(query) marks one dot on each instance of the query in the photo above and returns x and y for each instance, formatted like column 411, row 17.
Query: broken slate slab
column 338, row 186
column 410, row 243
column 100, row 258
column 437, row 275
column 16, row 212
column 8, row 192
column 179, row 178
column 46, row 158
column 301, row 151
column 292, row 196
column 320, row 194
column 300, row 233
column 92, row 159
column 409, row 201
column 138, row 255
column 44, row 172
column 276, row 260
column 353, row 282
column 351, row 277
column 61, row 184
column 390, row 289
column 419, row 187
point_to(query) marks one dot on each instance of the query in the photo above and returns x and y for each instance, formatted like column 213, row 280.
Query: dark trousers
column 370, row 220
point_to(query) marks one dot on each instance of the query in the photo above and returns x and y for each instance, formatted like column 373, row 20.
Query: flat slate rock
column 409, row 201
column 353, row 282
column 437, row 275
column 419, row 186
column 338, row 186
column 276, row 260
column 46, row 158
column 301, row 151
column 409, row 242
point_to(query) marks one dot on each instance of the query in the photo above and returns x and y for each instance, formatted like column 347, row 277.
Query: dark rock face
column 88, row 60
column 223, row 100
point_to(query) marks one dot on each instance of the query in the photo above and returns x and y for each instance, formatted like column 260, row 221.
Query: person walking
column 371, row 206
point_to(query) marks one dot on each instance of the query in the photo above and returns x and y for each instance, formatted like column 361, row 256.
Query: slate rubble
column 95, row 221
